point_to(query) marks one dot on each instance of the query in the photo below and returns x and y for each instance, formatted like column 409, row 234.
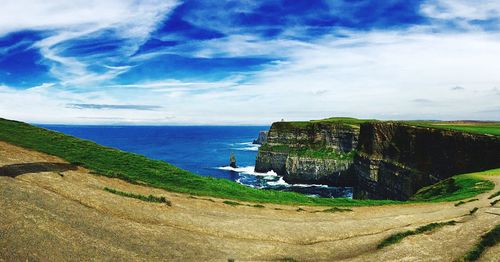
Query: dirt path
column 53, row 211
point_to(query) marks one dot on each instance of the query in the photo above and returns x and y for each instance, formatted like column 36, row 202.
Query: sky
column 174, row 62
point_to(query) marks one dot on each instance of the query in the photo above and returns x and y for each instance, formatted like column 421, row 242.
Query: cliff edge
column 394, row 160
column 310, row 152
column 383, row 160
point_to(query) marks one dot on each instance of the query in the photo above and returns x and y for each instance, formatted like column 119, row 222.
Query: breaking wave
column 248, row 170
column 246, row 146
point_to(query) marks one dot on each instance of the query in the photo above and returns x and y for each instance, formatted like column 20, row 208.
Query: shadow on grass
column 15, row 170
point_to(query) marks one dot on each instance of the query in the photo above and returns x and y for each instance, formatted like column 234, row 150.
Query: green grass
column 488, row 128
column 149, row 198
column 349, row 121
column 489, row 239
column 323, row 153
column 457, row 188
column 319, row 152
column 333, row 121
column 398, row 237
column 494, row 195
column 275, row 148
column 464, row 202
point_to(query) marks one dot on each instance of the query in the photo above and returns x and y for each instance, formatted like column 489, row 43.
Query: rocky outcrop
column 319, row 170
column 261, row 138
column 268, row 160
column 391, row 161
column 395, row 160
column 285, row 141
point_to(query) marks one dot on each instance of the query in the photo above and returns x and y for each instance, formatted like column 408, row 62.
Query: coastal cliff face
column 319, row 170
column 343, row 138
column 395, row 160
column 387, row 160
column 261, row 138
column 309, row 152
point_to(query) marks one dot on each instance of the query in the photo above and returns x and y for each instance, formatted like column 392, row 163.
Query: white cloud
column 462, row 9
column 130, row 21
column 373, row 75
column 18, row 15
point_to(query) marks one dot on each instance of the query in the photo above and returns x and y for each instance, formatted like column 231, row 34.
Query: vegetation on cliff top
column 475, row 127
column 345, row 121
column 484, row 128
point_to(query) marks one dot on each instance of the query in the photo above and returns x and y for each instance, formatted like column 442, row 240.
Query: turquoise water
column 203, row 150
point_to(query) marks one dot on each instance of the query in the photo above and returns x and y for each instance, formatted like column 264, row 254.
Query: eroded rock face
column 285, row 137
column 395, row 160
column 318, row 170
column 313, row 135
column 392, row 160
column 269, row 160
column 261, row 138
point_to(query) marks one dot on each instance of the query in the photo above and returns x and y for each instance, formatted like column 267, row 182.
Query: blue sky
column 248, row 62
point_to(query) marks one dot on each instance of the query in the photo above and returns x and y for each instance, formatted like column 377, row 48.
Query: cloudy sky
column 247, row 62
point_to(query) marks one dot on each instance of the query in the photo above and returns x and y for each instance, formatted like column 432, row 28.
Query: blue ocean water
column 203, row 150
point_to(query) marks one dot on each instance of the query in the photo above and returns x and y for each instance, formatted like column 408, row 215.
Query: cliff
column 379, row 159
column 394, row 160
column 261, row 138
column 310, row 152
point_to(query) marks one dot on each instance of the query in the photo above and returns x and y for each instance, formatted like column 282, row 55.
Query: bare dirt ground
column 51, row 211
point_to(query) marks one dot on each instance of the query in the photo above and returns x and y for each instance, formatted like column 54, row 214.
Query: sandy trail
column 53, row 211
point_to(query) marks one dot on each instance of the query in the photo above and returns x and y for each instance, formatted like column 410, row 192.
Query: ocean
column 203, row 150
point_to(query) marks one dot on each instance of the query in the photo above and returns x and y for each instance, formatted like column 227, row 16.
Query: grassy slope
column 136, row 168
column 457, row 188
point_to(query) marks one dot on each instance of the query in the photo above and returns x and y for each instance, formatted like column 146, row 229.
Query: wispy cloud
column 127, row 22
column 104, row 106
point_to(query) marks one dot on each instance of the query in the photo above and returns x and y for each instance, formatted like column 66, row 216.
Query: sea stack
column 232, row 160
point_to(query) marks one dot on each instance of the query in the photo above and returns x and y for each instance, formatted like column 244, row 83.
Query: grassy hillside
column 136, row 168
column 457, row 187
